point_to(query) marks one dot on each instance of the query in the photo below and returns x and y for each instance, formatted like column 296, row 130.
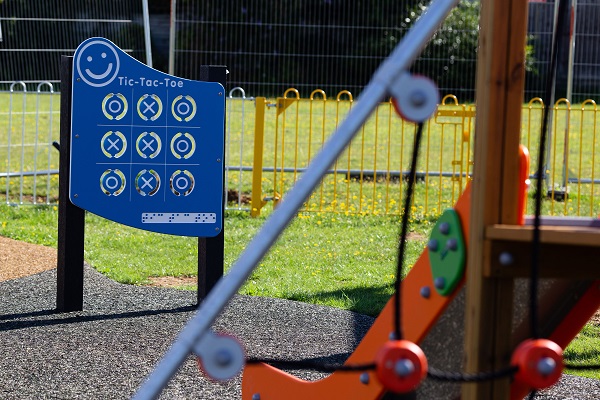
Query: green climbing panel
column 447, row 252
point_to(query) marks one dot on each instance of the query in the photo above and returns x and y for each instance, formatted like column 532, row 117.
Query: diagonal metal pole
column 392, row 68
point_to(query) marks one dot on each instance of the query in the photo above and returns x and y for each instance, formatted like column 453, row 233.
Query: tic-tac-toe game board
column 146, row 147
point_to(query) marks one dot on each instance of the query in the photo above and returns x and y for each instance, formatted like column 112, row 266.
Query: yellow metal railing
column 369, row 176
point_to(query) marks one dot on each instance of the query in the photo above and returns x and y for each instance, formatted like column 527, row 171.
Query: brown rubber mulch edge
column 19, row 259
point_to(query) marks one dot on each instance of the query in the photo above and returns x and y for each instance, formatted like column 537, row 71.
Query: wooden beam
column 556, row 261
column 565, row 235
column 499, row 91
column 565, row 251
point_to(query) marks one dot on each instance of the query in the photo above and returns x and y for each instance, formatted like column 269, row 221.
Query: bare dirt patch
column 415, row 236
column 19, row 259
column 172, row 281
column 596, row 319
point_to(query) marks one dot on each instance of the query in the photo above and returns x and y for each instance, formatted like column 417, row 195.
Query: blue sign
column 146, row 147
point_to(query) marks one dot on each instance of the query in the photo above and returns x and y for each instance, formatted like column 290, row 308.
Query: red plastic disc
column 400, row 366
column 540, row 363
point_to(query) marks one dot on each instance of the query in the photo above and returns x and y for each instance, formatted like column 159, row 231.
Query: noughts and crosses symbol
column 148, row 145
column 147, row 182
column 112, row 182
column 183, row 108
column 149, row 107
column 113, row 144
column 183, row 145
column 114, row 106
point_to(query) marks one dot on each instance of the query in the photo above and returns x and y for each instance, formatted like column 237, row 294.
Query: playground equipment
column 483, row 227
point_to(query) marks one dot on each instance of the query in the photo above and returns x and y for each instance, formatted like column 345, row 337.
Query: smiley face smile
column 99, row 76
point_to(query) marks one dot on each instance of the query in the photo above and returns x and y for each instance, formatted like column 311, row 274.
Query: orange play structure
column 498, row 253
column 419, row 312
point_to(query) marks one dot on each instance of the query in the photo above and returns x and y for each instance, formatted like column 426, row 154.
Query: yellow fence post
column 257, row 166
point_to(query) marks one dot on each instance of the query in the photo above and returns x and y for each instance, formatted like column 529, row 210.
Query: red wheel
column 540, row 363
column 400, row 366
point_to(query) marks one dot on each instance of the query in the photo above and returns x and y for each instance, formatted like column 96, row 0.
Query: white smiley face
column 97, row 62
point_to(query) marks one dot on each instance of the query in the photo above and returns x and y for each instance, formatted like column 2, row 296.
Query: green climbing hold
column 447, row 252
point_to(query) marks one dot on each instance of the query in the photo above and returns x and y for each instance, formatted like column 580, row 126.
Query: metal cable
column 312, row 365
column 535, row 245
column 465, row 377
column 403, row 233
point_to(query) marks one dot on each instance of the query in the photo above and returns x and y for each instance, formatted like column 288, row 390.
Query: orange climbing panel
column 419, row 314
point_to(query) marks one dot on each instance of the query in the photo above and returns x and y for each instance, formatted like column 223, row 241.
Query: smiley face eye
column 103, row 55
column 89, row 58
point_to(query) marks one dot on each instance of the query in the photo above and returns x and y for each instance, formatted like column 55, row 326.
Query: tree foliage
column 450, row 56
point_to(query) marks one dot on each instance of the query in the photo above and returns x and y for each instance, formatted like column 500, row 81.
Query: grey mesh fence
column 29, row 124
column 270, row 46
column 578, row 69
column 34, row 34
column 586, row 63
column 239, row 137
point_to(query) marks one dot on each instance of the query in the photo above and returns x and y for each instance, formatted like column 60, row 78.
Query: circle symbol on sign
column 114, row 106
column 149, row 106
column 97, row 63
column 113, row 146
column 183, row 145
column 148, row 145
column 183, row 108
column 182, row 182
column 147, row 182
column 112, row 182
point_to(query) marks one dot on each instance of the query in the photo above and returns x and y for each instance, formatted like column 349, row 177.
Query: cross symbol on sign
column 147, row 182
column 148, row 145
column 145, row 107
column 112, row 144
column 148, row 107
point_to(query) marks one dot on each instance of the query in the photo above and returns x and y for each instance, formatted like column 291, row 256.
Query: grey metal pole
column 573, row 14
column 397, row 63
column 571, row 49
column 547, row 164
column 147, row 40
column 172, row 37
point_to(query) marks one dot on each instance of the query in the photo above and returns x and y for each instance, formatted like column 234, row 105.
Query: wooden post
column 71, row 219
column 499, row 91
column 211, row 250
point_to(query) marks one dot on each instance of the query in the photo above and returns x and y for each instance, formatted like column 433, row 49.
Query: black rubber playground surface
column 107, row 350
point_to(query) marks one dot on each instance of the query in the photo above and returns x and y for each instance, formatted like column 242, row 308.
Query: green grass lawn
column 316, row 260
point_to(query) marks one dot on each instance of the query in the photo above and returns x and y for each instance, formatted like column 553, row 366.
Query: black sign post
column 211, row 250
column 71, row 219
